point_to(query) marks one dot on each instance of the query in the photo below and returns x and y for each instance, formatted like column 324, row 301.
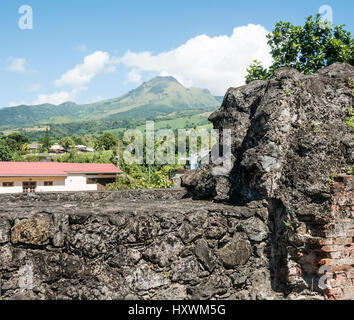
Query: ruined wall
column 338, row 245
column 132, row 245
column 324, row 257
column 154, row 244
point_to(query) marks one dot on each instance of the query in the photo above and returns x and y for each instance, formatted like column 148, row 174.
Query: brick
column 340, row 268
column 340, row 276
column 335, row 255
column 331, row 248
column 325, row 262
column 324, row 241
column 342, row 241
column 334, row 291
column 334, row 283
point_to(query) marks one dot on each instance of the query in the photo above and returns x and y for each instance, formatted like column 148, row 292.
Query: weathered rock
column 255, row 228
column 33, row 231
column 288, row 134
column 4, row 230
column 165, row 251
column 185, row 270
column 205, row 254
column 144, row 278
column 235, row 253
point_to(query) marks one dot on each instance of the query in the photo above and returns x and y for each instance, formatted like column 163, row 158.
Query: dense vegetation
column 315, row 45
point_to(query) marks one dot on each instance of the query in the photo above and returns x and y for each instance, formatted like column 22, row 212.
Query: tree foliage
column 5, row 152
column 315, row 45
column 106, row 142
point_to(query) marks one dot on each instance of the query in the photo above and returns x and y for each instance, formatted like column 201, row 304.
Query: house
column 84, row 149
column 17, row 177
column 57, row 148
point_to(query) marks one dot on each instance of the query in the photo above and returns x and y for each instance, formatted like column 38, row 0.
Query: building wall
column 78, row 183
column 17, row 188
column 71, row 183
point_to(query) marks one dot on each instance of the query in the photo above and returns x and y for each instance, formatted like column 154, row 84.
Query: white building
column 17, row 177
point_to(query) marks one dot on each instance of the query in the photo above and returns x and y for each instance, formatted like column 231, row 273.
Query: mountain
column 159, row 96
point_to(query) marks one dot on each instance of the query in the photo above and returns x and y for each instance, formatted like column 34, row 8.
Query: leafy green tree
column 67, row 142
column 311, row 47
column 5, row 152
column 106, row 142
column 15, row 141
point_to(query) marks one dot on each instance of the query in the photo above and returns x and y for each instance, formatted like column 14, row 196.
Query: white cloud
column 82, row 74
column 134, row 76
column 15, row 104
column 17, row 65
column 54, row 98
column 216, row 63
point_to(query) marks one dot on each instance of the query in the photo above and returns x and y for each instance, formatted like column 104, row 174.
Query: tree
column 15, row 141
column 5, row 152
column 311, row 47
column 106, row 142
column 45, row 141
column 67, row 142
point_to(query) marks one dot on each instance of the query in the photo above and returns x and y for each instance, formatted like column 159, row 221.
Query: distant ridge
column 159, row 96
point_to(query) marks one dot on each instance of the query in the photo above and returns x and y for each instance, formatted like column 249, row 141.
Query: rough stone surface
column 99, row 245
column 236, row 252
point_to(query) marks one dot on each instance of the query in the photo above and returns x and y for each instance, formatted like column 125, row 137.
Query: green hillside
column 159, row 96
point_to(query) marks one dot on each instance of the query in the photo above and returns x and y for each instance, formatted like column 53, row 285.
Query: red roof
column 54, row 168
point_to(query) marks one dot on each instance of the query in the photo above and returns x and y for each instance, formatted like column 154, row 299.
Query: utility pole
column 118, row 159
column 118, row 156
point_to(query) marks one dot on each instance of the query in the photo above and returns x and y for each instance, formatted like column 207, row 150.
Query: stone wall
column 154, row 244
column 338, row 243
column 327, row 258
column 133, row 245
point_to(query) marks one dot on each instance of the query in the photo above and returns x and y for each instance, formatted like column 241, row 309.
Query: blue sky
column 128, row 42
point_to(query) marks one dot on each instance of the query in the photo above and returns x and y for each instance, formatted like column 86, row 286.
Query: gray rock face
column 236, row 252
column 98, row 245
column 288, row 137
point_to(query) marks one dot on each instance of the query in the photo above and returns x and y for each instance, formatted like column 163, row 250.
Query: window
column 29, row 186
column 48, row 183
column 7, row 184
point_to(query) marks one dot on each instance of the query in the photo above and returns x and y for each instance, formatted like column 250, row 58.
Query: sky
column 86, row 51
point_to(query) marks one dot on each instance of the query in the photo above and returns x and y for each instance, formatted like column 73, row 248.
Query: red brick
column 331, row 248
column 342, row 241
column 325, row 262
column 344, row 267
column 335, row 255
column 324, row 241
column 334, row 291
